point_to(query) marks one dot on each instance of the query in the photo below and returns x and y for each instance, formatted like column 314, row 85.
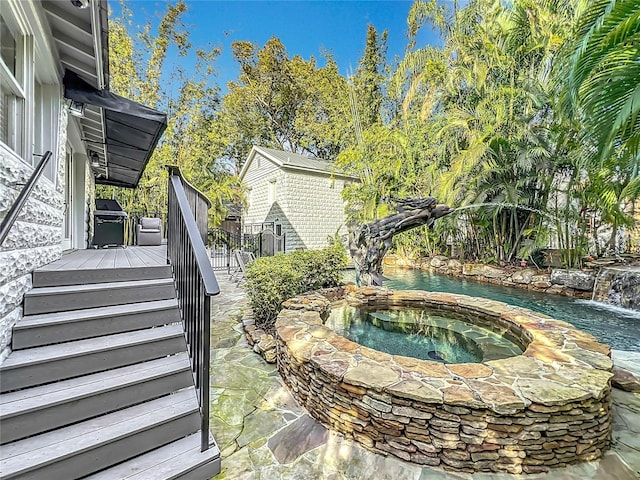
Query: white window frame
column 19, row 87
column 271, row 192
column 38, row 128
column 46, row 112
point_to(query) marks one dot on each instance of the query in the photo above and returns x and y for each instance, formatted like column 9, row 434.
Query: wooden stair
column 99, row 383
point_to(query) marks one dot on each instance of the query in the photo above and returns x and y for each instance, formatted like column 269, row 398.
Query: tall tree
column 370, row 78
column 139, row 71
column 281, row 102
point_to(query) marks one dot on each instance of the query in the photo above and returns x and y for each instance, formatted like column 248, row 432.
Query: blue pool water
column 617, row 327
column 422, row 334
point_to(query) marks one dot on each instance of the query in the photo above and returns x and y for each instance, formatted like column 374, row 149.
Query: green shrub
column 272, row 280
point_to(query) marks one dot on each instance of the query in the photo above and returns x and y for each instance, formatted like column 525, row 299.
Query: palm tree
column 602, row 78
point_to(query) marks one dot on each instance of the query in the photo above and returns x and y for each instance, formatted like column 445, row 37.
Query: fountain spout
column 369, row 242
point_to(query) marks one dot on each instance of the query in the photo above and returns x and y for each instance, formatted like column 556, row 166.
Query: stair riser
column 209, row 470
column 123, row 449
column 65, row 332
column 170, row 462
column 51, row 371
column 35, row 304
column 75, row 410
column 53, row 278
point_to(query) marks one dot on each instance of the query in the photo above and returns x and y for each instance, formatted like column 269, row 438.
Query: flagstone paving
column 265, row 435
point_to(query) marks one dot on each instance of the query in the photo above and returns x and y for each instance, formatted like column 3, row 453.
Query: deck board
column 94, row 259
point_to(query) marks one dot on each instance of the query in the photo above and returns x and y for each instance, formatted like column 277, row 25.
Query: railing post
column 228, row 249
column 194, row 279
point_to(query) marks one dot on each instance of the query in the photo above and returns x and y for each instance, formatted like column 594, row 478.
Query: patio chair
column 243, row 259
column 149, row 231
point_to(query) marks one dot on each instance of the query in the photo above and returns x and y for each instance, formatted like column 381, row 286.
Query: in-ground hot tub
column 423, row 333
column 544, row 408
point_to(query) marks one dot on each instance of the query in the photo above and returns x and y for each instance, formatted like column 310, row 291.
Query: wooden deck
column 105, row 258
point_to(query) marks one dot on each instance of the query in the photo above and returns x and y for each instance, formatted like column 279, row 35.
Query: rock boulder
column 577, row 279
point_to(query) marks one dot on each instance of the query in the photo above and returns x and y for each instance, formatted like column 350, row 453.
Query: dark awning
column 131, row 132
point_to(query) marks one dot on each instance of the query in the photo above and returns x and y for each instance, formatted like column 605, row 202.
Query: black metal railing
column 21, row 200
column 194, row 278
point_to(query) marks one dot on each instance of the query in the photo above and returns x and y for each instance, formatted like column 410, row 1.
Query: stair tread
column 43, row 449
column 39, row 291
column 20, row 358
column 58, row 277
column 24, row 401
column 163, row 463
column 43, row 319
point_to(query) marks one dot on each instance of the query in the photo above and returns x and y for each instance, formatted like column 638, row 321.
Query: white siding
column 259, row 175
column 315, row 208
column 307, row 204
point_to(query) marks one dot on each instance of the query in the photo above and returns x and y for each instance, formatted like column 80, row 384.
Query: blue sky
column 305, row 27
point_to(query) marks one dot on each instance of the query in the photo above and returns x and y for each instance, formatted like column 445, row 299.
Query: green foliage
column 285, row 103
column 600, row 80
column 479, row 121
column 139, row 71
column 531, row 107
column 272, row 280
column 369, row 80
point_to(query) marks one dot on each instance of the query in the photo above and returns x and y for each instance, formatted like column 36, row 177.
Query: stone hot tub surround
column 546, row 408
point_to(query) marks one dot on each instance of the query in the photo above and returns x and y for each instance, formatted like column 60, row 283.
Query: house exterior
column 298, row 196
column 99, row 374
column 52, row 50
column 35, row 118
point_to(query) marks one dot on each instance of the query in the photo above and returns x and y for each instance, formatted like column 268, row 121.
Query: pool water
column 614, row 326
column 421, row 334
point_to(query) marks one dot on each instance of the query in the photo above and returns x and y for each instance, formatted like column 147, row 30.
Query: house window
column 12, row 86
column 271, row 194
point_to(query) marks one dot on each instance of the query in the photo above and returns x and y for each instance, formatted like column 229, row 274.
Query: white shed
column 294, row 195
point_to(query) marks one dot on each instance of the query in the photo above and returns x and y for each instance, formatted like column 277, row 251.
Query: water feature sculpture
column 369, row 242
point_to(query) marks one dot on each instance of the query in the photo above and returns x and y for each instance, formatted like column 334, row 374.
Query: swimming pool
column 617, row 327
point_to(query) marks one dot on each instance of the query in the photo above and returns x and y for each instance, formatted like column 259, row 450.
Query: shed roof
column 292, row 160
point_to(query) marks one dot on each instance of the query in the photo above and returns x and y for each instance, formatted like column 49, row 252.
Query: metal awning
column 119, row 135
column 131, row 130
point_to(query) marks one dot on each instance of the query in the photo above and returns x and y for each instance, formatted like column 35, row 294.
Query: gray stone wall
column 90, row 203
column 570, row 283
column 35, row 238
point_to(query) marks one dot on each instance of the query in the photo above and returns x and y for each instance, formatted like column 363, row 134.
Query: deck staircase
column 99, row 384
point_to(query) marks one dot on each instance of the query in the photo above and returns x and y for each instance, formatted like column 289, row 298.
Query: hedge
column 272, row 280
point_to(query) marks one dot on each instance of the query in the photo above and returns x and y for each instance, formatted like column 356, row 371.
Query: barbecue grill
column 108, row 223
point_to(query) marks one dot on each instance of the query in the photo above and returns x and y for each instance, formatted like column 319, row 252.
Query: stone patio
column 264, row 434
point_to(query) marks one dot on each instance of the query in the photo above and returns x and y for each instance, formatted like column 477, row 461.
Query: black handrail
column 14, row 211
column 194, row 278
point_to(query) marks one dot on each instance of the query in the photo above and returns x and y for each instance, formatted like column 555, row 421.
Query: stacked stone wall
column 547, row 408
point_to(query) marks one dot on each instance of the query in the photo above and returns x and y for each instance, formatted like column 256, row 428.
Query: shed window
column 271, row 194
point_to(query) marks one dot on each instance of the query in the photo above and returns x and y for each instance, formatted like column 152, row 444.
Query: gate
column 223, row 243
column 270, row 243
